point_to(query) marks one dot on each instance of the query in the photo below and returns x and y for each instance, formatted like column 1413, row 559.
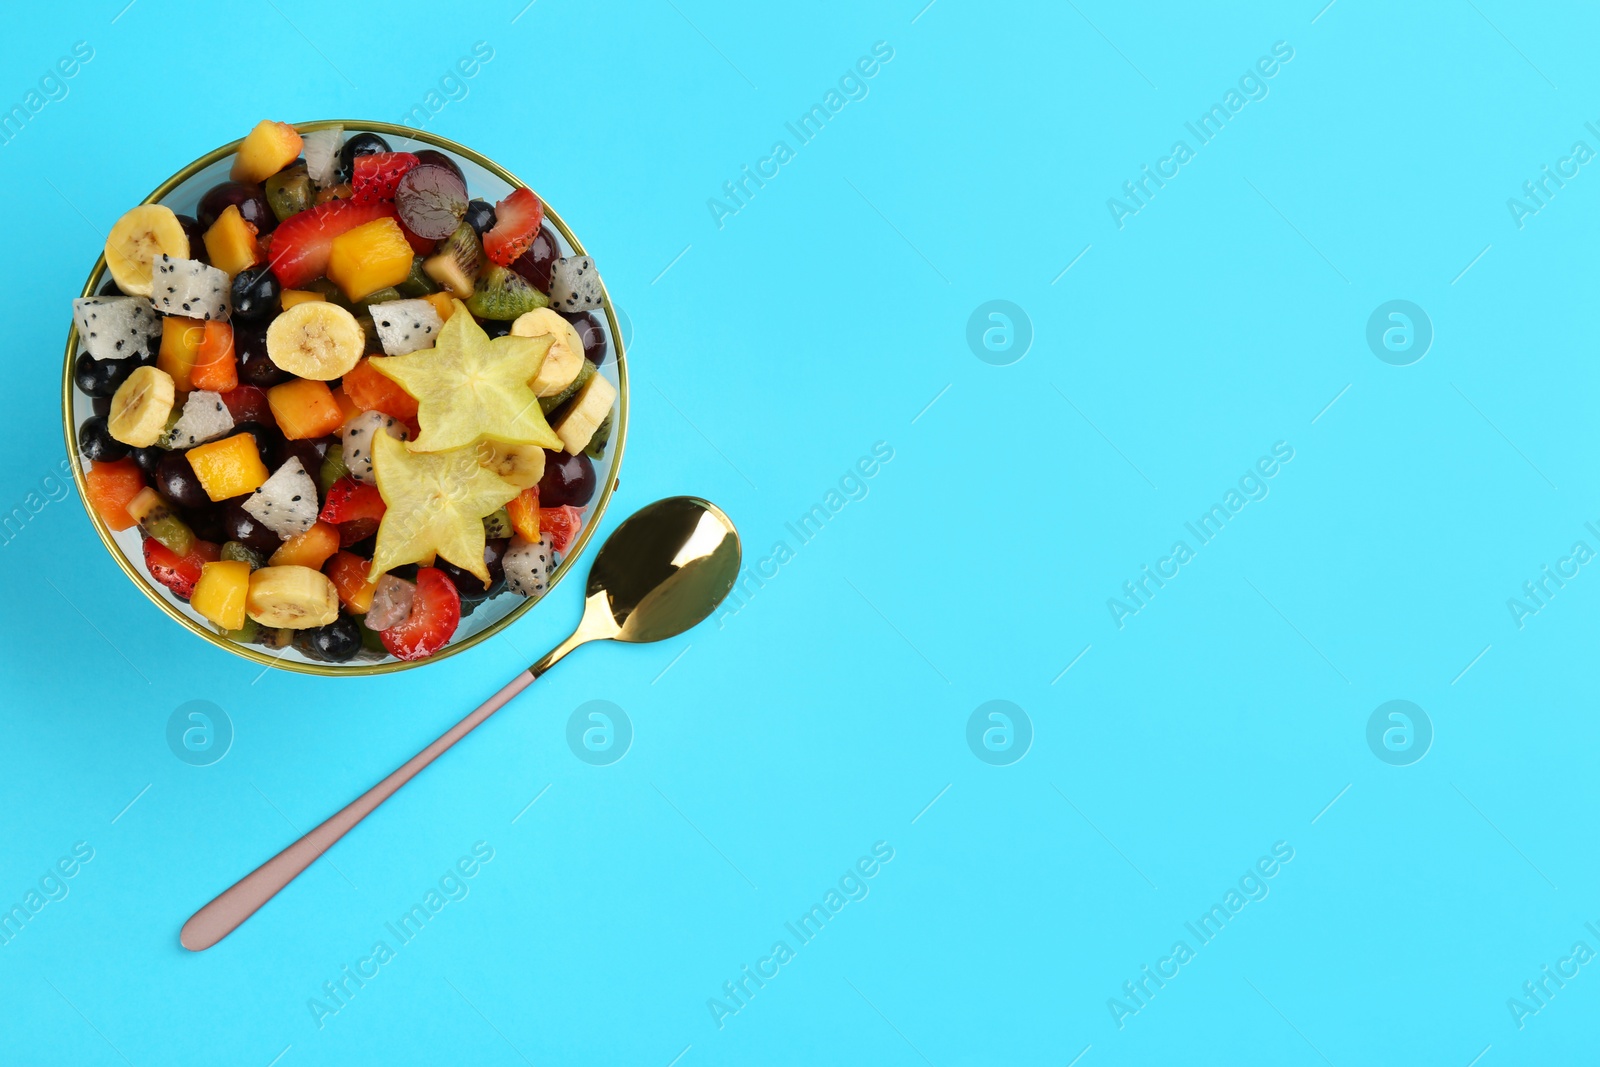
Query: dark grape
column 100, row 377
column 438, row 158
column 96, row 443
column 473, row 590
column 255, row 294
column 101, row 406
column 431, row 201
column 177, row 481
column 480, row 216
column 268, row 440
column 333, row 643
column 196, row 234
column 241, row 526
column 309, row 451
column 594, row 338
column 250, row 199
column 255, row 366
column 567, row 480
column 496, row 327
column 148, row 458
column 207, row 523
column 362, row 144
column 109, row 287
column 535, row 263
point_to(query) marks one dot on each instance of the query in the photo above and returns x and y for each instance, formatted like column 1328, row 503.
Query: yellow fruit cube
column 304, row 408
column 290, row 297
column 231, row 242
column 180, row 349
column 265, row 151
column 443, row 303
column 220, row 593
column 228, row 468
column 370, row 257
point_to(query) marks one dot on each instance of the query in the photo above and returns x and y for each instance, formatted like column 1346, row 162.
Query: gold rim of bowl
column 355, row 668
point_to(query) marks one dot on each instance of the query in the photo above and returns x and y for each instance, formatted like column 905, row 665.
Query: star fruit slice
column 469, row 387
column 436, row 504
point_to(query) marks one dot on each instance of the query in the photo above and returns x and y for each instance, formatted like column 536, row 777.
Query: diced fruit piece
column 521, row 465
column 417, row 283
column 502, row 293
column 265, row 151
column 420, row 246
column 285, row 503
column 375, row 176
column 304, row 409
column 348, row 572
column 560, row 525
column 574, row 285
column 498, row 525
column 347, row 407
column 205, row 417
column 315, row 340
column 469, row 387
column 455, row 265
column 311, row 548
column 356, row 531
column 549, row 404
column 248, row 403
column 178, row 573
column 228, row 468
column 333, row 468
column 220, row 593
column 360, row 144
column 289, row 192
column 273, row 638
column 405, row 326
column 431, row 201
column 246, row 196
column 189, row 288
column 443, row 303
column 524, row 514
column 351, row 501
column 215, row 367
column 369, row 257
column 356, row 442
column 140, row 407
column 136, row 239
column 301, row 246
column 565, row 358
column 480, row 216
column 341, row 191
column 528, row 566
column 435, row 614
column 181, row 339
column 291, row 597
column 596, row 448
column 517, row 219
column 373, row 390
column 391, row 602
column 583, row 416
column 290, row 297
column 231, row 243
column 235, row 551
column 110, row 487
column 321, row 151
column 115, row 327
column 436, row 504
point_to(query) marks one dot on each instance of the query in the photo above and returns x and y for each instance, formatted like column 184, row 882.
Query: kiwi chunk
column 547, row 404
column 234, row 551
column 455, row 265
column 417, row 283
column 333, row 468
column 289, row 192
column 502, row 293
column 498, row 524
column 596, row 448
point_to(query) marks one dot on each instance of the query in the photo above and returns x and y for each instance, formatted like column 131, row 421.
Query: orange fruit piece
column 303, row 408
column 111, row 487
column 215, row 367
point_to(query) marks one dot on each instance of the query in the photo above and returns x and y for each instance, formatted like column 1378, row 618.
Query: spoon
column 662, row 571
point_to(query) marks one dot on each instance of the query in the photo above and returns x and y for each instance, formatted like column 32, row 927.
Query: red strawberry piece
column 178, row 573
column 560, row 525
column 350, row 500
column 422, row 246
column 435, row 614
column 300, row 246
column 376, row 175
column 246, row 403
column 517, row 219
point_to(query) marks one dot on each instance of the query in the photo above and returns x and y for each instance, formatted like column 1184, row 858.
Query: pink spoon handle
column 223, row 915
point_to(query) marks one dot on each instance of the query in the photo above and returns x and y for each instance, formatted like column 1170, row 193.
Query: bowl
column 485, row 179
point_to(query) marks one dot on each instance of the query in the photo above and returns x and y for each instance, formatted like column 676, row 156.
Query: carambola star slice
column 436, row 504
column 469, row 387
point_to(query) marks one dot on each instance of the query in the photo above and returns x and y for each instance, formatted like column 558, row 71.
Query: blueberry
column 255, row 294
column 100, row 377
column 333, row 643
column 480, row 216
column 96, row 443
column 255, row 366
column 362, row 144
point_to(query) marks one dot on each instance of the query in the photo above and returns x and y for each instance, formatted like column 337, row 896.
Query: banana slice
column 316, row 340
column 521, row 465
column 587, row 409
column 140, row 407
column 291, row 597
column 137, row 238
column 562, row 362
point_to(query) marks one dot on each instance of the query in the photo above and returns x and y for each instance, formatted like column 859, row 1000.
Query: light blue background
column 773, row 750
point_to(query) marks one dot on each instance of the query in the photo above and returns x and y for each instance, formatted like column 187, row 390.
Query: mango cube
column 228, row 468
column 370, row 257
column 219, row 595
column 304, row 408
column 265, row 151
column 231, row 242
column 180, row 348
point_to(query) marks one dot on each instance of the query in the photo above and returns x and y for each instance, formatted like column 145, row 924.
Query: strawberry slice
column 435, row 614
column 560, row 525
column 517, row 219
column 300, row 246
column 376, row 175
column 350, row 500
column 178, row 573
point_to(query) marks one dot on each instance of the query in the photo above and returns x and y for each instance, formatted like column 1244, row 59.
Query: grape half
column 431, row 201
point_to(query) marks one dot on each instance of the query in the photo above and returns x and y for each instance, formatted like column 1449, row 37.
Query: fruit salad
column 346, row 402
